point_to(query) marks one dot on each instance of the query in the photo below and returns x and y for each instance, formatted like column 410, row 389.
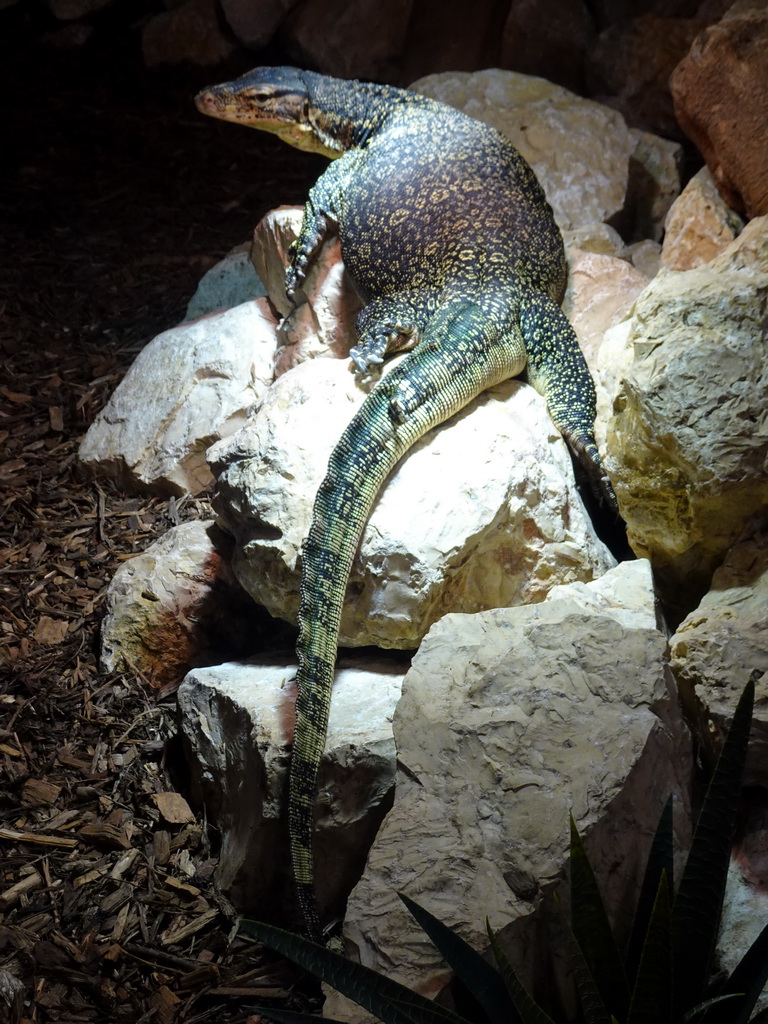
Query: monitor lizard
column 453, row 247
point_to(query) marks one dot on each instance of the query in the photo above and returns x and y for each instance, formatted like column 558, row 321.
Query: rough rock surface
column 505, row 523
column 688, row 441
column 601, row 292
column 173, row 606
column 720, row 92
column 237, row 723
column 324, row 325
column 719, row 645
column 508, row 721
column 230, row 283
column 189, row 387
column 698, row 226
column 555, row 131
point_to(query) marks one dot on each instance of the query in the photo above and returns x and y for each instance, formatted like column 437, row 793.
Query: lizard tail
column 468, row 346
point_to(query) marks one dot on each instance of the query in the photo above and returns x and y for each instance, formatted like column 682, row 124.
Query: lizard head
column 276, row 100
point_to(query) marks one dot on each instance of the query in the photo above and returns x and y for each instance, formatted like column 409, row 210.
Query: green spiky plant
column 662, row 979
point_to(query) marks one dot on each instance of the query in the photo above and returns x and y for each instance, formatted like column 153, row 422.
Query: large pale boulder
column 483, row 512
column 721, row 644
column 189, row 387
column 175, row 605
column 688, row 442
column 510, row 720
column 555, row 131
column 237, row 723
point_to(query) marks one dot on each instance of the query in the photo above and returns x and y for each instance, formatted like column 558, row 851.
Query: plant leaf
column 699, row 899
column 660, row 859
column 593, row 931
column 529, row 1010
column 651, row 1001
column 706, row 1006
column 388, row 1000
column 592, row 1006
column 481, row 978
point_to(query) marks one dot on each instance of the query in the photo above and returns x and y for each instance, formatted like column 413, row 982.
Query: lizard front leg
column 392, row 324
column 321, row 220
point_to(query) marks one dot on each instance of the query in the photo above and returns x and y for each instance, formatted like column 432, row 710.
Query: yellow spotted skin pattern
column 452, row 245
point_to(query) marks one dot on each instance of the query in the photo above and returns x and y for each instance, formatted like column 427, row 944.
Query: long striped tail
column 468, row 346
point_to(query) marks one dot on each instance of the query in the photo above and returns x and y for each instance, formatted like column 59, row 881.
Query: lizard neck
column 344, row 115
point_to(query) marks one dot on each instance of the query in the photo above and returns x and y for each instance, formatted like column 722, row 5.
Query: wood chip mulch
column 118, row 200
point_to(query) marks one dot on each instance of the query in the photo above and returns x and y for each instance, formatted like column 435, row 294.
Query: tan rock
column 555, row 131
column 688, row 441
column 721, row 644
column 161, row 613
column 237, row 724
column 720, row 92
column 189, row 387
column 698, row 226
column 505, row 522
column 510, row 720
column 601, row 292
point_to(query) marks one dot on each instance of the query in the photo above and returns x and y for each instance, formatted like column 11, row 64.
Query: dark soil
column 115, row 196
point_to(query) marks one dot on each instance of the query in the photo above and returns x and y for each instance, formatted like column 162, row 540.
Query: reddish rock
column 720, row 92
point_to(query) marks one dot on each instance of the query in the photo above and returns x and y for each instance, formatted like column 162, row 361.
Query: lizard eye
column 260, row 95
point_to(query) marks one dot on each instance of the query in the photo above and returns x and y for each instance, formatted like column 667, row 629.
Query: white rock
column 237, row 723
column 189, row 387
column 510, row 720
column 555, row 130
column 324, row 325
column 170, row 605
column 688, row 441
column 719, row 645
column 504, row 521
column 229, row 283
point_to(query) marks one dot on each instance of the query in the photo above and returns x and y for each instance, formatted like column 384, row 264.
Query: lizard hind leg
column 559, row 372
